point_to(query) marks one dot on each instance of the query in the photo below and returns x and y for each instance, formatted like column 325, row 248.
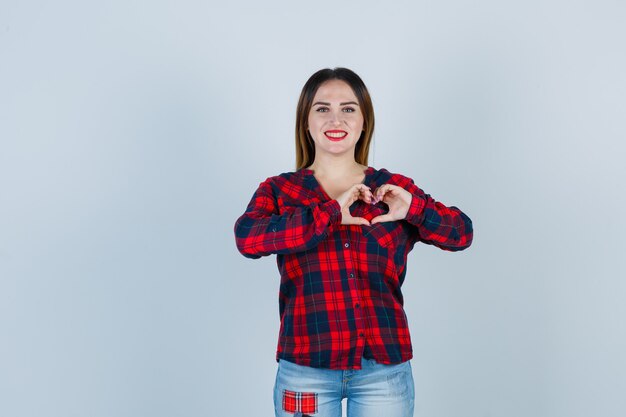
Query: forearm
column 259, row 234
column 445, row 227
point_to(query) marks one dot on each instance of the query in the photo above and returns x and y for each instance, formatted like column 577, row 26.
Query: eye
column 348, row 110
column 322, row 109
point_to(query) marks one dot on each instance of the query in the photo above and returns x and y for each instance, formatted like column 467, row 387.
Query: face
column 335, row 120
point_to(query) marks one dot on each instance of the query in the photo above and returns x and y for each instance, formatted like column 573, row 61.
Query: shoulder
column 384, row 176
column 285, row 182
column 285, row 177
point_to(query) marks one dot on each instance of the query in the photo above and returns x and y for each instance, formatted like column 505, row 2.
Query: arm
column 447, row 228
column 262, row 231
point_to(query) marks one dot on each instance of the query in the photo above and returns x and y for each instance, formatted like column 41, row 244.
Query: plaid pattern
column 304, row 402
column 340, row 284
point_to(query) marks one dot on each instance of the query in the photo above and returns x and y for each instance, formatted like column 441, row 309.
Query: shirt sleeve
column 448, row 228
column 262, row 231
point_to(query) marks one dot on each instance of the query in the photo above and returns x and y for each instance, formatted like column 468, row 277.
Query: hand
column 345, row 200
column 397, row 198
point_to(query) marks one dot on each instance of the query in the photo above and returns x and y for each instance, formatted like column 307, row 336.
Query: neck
column 336, row 166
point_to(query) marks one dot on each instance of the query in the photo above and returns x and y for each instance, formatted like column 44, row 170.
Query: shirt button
column 357, row 305
column 347, row 245
column 361, row 334
column 351, row 275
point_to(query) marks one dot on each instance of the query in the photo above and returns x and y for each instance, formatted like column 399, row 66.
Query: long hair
column 305, row 148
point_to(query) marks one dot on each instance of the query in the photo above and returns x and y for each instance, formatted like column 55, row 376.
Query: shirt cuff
column 415, row 215
column 333, row 208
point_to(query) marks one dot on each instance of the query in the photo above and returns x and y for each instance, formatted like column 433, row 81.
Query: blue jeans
column 376, row 390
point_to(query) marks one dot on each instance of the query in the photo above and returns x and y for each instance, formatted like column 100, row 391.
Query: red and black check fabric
column 340, row 284
column 303, row 402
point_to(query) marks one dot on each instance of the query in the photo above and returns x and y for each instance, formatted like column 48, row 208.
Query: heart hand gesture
column 397, row 198
column 345, row 200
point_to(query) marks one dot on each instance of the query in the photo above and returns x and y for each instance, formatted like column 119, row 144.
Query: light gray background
column 133, row 134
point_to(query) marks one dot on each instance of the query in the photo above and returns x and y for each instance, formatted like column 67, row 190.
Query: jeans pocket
column 401, row 381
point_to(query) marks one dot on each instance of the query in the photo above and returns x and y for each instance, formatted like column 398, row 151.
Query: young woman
column 342, row 231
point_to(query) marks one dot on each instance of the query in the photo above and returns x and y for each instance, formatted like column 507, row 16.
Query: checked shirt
column 340, row 296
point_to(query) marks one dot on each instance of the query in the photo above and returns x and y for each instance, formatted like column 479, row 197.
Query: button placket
column 351, row 273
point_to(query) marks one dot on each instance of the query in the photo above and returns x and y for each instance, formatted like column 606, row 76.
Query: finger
column 354, row 195
column 367, row 196
column 378, row 198
column 355, row 192
column 360, row 188
column 383, row 218
column 363, row 192
column 347, row 219
column 363, row 188
column 380, row 191
column 384, row 190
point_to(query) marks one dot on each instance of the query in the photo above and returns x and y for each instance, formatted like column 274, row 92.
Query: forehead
column 335, row 90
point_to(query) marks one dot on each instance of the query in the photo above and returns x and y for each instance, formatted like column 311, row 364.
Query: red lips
column 337, row 135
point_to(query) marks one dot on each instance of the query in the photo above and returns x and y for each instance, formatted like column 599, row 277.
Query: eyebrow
column 341, row 104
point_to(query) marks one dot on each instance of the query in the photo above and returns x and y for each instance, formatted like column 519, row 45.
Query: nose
column 336, row 117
